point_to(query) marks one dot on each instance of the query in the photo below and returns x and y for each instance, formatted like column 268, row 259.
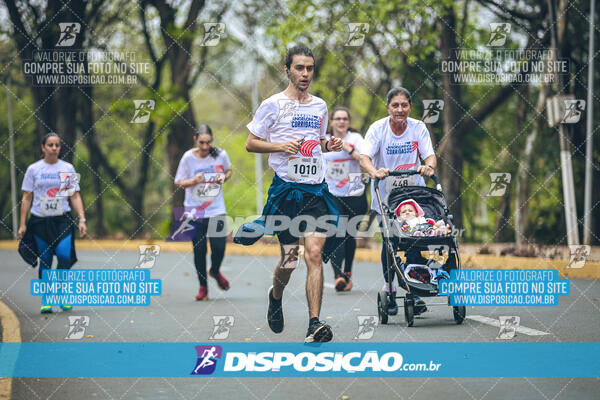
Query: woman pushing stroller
column 397, row 142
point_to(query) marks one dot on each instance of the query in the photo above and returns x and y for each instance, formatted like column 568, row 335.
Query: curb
column 591, row 270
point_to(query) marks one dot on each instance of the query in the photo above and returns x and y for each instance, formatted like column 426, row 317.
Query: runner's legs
column 313, row 247
column 284, row 269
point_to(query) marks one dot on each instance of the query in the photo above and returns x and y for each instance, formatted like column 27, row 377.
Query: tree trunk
column 179, row 138
column 522, row 178
column 505, row 230
column 450, row 156
column 179, row 141
column 86, row 125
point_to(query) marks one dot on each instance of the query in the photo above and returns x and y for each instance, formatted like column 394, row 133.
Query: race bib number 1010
column 304, row 168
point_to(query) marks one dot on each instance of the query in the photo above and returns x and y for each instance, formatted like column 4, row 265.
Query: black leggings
column 344, row 248
column 217, row 247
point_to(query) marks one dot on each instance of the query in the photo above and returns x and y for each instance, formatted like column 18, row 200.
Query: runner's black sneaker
column 275, row 313
column 318, row 331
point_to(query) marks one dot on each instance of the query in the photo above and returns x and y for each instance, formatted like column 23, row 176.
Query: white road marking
column 496, row 323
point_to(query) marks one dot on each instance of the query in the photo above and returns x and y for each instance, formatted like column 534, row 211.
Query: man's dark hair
column 297, row 49
column 395, row 92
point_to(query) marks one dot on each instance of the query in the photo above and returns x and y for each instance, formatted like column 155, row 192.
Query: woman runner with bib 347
column 47, row 187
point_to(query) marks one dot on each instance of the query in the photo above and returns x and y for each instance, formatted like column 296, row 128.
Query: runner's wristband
column 326, row 147
column 351, row 151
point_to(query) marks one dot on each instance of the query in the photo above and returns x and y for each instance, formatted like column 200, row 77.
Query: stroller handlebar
column 410, row 172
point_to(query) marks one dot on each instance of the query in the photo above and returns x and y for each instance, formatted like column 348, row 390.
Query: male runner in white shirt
column 291, row 126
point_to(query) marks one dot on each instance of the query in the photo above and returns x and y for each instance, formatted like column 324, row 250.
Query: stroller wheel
column 382, row 306
column 459, row 314
column 409, row 311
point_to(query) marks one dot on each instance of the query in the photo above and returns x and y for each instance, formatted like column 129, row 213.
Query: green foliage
column 402, row 47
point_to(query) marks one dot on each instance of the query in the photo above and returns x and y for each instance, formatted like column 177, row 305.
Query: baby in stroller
column 412, row 221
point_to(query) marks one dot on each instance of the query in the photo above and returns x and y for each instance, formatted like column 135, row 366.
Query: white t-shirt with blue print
column 52, row 185
column 206, row 197
column 280, row 119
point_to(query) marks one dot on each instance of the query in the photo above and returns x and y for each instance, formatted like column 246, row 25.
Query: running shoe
column 202, row 294
column 318, row 331
column 349, row 284
column 46, row 309
column 420, row 306
column 340, row 283
column 275, row 313
column 221, row 281
column 66, row 307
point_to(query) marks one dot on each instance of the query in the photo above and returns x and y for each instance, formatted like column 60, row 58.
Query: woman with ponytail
column 202, row 172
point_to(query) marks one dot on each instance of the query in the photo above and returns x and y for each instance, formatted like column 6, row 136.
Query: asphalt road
column 176, row 317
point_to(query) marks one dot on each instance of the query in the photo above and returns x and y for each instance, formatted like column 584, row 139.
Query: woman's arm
column 25, row 207
column 352, row 151
column 185, row 183
column 78, row 206
column 333, row 144
column 228, row 174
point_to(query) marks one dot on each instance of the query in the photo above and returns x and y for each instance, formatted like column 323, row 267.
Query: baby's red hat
column 413, row 203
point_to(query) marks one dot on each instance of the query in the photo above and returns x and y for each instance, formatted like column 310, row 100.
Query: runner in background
column 47, row 187
column 202, row 172
column 345, row 183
